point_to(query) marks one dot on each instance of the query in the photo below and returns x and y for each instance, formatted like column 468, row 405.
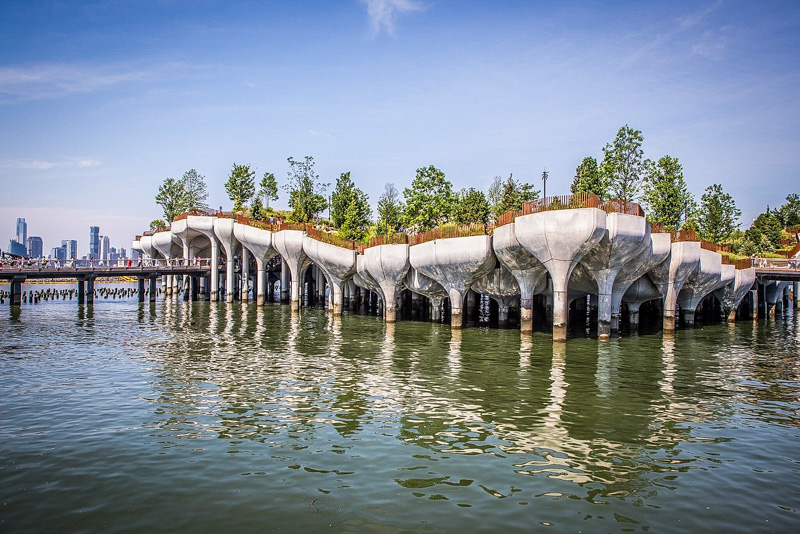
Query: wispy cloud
column 39, row 82
column 382, row 13
column 693, row 19
column 711, row 46
column 42, row 165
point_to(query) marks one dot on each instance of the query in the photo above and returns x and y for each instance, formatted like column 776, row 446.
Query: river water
column 212, row 417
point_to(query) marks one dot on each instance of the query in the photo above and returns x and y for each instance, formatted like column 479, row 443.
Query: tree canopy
column 515, row 193
column 588, row 179
column 195, row 193
column 240, row 186
column 429, row 200
column 390, row 211
column 789, row 213
column 623, row 165
column 665, row 194
column 471, row 207
column 171, row 197
column 306, row 192
column 268, row 188
column 717, row 215
column 350, row 211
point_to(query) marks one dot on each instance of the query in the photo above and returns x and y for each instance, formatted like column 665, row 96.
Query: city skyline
column 99, row 104
column 35, row 246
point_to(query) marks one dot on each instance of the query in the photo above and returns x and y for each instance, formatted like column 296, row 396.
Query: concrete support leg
column 245, row 274
column 261, row 284
column 285, row 283
column 732, row 316
column 140, row 288
column 526, row 309
column 81, row 292
column 229, row 282
column 153, row 289
column 688, row 317
column 603, row 316
column 90, row 291
column 633, row 316
column 456, row 309
column 295, row 296
column 502, row 315
column 16, row 292
column 560, row 315
column 214, row 270
column 337, row 291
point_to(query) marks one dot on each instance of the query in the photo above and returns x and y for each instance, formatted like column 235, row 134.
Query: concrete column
column 754, row 304
column 436, row 309
column 285, row 282
column 81, row 292
column 90, row 290
column 688, row 317
column 16, row 292
column 229, row 274
column 526, row 308
column 153, row 289
column 502, row 315
column 261, row 282
column 214, row 270
column 245, row 274
column 732, row 316
column 560, row 314
column 633, row 315
column 140, row 287
column 456, row 309
column 194, row 287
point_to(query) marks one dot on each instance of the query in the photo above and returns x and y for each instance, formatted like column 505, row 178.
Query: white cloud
column 79, row 163
column 382, row 13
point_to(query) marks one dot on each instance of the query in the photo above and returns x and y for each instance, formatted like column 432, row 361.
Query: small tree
column 717, row 214
column 171, row 197
column 257, row 209
column 268, row 188
column 157, row 224
column 195, row 193
column 390, row 211
column 588, row 179
column 240, row 186
column 471, row 208
column 665, row 194
column 356, row 217
column 306, row 193
column 515, row 194
column 341, row 198
column 623, row 165
column 494, row 196
column 429, row 200
column 789, row 213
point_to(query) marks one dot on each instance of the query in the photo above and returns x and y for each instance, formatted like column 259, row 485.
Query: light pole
column 544, row 180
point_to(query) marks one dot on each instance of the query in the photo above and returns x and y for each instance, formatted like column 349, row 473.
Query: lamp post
column 544, row 180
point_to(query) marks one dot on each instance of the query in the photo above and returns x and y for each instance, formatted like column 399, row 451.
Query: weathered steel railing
column 445, row 232
column 331, row 239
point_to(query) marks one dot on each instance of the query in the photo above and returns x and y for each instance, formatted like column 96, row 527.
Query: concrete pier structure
column 502, row 287
column 559, row 240
column 289, row 244
column 704, row 280
column 732, row 294
column 455, row 263
column 670, row 276
column 259, row 243
column 420, row 284
column 527, row 270
column 387, row 265
column 337, row 264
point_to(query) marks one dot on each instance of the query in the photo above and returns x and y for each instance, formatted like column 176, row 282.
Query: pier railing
column 331, row 239
column 445, row 232
column 565, row 202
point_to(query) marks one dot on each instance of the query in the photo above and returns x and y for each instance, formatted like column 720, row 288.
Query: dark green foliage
column 350, row 211
column 789, row 213
column 717, row 214
column 588, row 179
column 257, row 209
column 390, row 211
column 306, row 193
column 665, row 195
column 623, row 166
column 240, row 186
column 429, row 200
column 268, row 188
column 471, row 208
column 157, row 224
column 172, row 198
column 515, row 194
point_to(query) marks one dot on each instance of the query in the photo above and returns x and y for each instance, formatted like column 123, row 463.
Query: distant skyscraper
column 71, row 247
column 34, row 245
column 59, row 253
column 104, row 247
column 94, row 242
column 16, row 248
column 22, row 231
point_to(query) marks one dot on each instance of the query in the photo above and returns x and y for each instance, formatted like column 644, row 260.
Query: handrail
column 446, row 232
column 331, row 239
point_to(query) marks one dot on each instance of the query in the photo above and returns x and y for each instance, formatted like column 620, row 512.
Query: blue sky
column 100, row 101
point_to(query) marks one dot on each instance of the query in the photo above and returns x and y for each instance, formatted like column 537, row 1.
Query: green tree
column 717, row 214
column 341, row 198
column 789, row 213
column 195, row 193
column 665, row 195
column 268, row 188
column 515, row 194
column 157, row 224
column 472, row 207
column 257, row 208
column 494, row 196
column 171, row 197
column 429, row 200
column 350, row 211
column 390, row 211
column 588, row 179
column 240, row 186
column 623, row 165
column 306, row 192
column 767, row 226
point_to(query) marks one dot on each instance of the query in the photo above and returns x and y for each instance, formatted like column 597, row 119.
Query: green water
column 212, row 417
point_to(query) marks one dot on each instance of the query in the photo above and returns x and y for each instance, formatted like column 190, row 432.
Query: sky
column 101, row 101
